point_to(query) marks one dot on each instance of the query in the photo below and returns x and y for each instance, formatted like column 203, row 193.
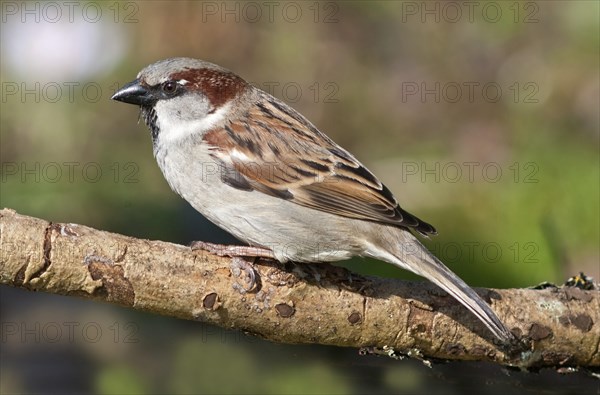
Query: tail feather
column 413, row 256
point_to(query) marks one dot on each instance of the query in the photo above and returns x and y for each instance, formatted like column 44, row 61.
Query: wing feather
column 275, row 150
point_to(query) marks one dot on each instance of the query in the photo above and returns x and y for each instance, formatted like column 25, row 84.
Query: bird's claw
column 238, row 265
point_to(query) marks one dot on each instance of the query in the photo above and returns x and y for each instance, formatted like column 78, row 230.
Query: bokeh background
column 482, row 118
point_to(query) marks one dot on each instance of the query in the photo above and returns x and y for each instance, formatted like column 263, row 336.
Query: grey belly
column 292, row 231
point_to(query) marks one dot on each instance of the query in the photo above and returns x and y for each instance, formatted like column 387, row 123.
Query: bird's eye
column 169, row 87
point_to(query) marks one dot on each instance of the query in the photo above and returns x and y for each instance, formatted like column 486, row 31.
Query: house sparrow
column 260, row 170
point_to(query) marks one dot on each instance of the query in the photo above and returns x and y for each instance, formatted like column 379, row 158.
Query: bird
column 263, row 172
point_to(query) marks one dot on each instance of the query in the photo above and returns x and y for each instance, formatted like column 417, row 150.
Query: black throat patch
column 150, row 118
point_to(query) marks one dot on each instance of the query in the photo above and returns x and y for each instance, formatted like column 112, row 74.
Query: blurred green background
column 482, row 118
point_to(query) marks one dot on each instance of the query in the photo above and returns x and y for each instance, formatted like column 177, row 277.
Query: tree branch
column 296, row 303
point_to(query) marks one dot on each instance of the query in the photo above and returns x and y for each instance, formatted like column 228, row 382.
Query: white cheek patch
column 173, row 128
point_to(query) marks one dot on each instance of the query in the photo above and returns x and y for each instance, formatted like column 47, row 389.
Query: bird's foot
column 239, row 265
column 239, row 261
column 232, row 250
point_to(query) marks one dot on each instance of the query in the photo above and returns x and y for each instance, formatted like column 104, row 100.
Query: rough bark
column 297, row 303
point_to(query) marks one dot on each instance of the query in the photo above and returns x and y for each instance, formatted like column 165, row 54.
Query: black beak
column 134, row 93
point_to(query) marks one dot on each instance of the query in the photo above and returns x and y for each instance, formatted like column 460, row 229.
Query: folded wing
column 275, row 150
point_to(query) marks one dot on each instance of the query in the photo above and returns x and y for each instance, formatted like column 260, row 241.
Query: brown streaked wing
column 300, row 164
